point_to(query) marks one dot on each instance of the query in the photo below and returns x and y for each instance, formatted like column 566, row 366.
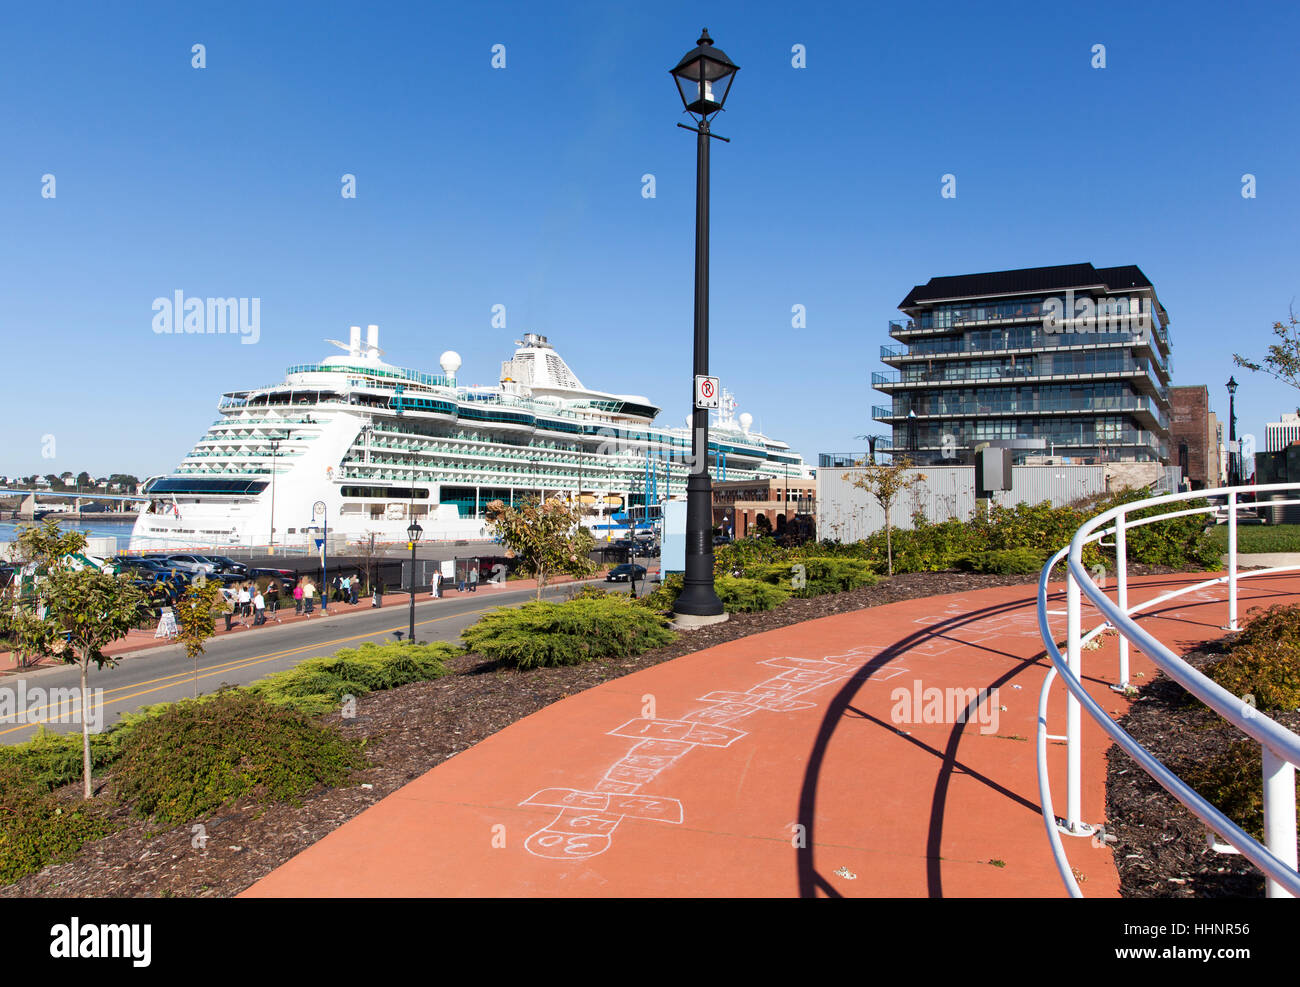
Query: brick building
column 1191, row 436
column 738, row 504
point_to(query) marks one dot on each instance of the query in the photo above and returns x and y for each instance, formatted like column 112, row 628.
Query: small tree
column 196, row 619
column 71, row 613
column 1283, row 359
column 546, row 537
column 886, row 483
column 37, row 550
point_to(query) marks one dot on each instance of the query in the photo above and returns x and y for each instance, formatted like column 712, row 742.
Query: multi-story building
column 1279, row 435
column 1070, row 361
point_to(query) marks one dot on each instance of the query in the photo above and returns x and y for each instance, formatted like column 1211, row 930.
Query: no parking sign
column 706, row 391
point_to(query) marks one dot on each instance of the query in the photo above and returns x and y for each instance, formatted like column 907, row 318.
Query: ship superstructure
column 380, row 446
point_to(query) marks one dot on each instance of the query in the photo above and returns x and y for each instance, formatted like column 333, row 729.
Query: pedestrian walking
column 231, row 600
column 259, row 609
column 297, row 598
column 345, row 590
column 460, row 583
column 435, row 584
column 245, row 603
column 273, row 599
column 473, row 580
column 308, row 597
column 379, row 596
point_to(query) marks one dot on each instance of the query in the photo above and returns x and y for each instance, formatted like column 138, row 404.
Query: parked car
column 288, row 578
column 228, row 565
column 202, row 561
column 189, row 568
column 625, row 573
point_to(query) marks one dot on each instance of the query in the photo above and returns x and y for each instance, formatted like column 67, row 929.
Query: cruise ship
column 364, row 448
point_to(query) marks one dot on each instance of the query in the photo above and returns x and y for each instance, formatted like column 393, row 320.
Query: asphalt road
column 166, row 674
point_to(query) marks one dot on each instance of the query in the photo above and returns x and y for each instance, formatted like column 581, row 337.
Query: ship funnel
column 372, row 340
column 354, row 342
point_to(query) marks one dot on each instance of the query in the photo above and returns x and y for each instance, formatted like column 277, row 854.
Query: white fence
column 849, row 513
column 1277, row 857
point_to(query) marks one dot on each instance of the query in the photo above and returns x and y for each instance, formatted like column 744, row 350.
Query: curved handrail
column 1282, row 744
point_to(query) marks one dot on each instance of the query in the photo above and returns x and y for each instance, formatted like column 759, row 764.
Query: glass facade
column 1095, row 396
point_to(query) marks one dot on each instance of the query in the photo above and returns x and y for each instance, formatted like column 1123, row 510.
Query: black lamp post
column 703, row 77
column 413, row 533
column 1233, row 468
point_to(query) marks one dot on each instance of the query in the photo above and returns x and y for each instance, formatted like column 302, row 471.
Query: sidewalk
column 799, row 762
column 144, row 639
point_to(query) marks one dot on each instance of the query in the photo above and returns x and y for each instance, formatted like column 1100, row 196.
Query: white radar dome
column 450, row 362
column 746, row 419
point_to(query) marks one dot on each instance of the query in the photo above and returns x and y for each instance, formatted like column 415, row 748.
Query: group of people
column 246, row 601
column 347, row 589
column 436, row 581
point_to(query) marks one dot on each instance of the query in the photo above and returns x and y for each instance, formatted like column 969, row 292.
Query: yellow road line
column 237, row 665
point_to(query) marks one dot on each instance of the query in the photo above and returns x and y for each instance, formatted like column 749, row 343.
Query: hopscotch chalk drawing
column 587, row 820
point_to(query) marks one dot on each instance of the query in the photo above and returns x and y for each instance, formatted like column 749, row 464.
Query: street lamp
column 703, row 77
column 413, row 533
column 1233, row 468
column 275, row 451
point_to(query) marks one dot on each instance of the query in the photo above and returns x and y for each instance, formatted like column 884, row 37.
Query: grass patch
column 1257, row 538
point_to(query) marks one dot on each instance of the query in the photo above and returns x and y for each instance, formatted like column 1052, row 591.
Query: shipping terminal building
column 1071, row 363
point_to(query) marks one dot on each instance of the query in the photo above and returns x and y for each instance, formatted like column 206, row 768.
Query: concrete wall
column 846, row 513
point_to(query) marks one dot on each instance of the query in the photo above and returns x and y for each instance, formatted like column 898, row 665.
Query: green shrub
column 1264, row 660
column 1005, row 561
column 37, row 828
column 318, row 684
column 748, row 595
column 1234, row 783
column 807, row 577
column 197, row 755
column 665, row 594
column 52, row 760
column 543, row 633
column 737, row 595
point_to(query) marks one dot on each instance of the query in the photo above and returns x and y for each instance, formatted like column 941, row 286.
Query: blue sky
column 522, row 187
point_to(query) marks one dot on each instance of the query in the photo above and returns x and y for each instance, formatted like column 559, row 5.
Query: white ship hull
column 365, row 448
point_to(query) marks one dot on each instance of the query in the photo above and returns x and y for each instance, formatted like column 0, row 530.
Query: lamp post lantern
column 413, row 533
column 703, row 78
column 1233, row 467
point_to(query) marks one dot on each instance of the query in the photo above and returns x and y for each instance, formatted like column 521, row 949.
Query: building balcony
column 1148, row 413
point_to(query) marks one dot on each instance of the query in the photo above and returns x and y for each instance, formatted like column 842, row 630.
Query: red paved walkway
column 691, row 778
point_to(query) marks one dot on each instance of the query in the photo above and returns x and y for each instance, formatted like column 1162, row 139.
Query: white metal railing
column 1280, row 747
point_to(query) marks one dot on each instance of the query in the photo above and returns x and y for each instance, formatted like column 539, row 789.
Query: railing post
column 1073, row 715
column 1279, row 815
column 1232, row 560
column 1121, row 593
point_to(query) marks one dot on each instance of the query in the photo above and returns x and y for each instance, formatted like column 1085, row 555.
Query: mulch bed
column 409, row 730
column 1161, row 850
